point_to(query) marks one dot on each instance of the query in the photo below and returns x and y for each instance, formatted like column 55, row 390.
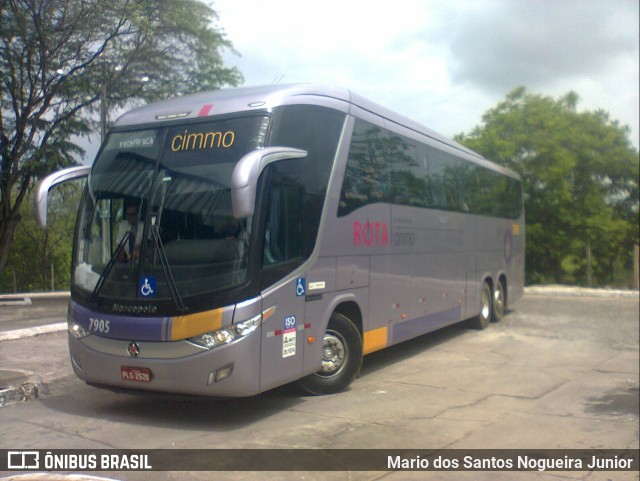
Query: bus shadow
column 194, row 413
column 400, row 352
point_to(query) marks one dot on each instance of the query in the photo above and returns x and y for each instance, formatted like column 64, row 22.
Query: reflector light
column 204, row 111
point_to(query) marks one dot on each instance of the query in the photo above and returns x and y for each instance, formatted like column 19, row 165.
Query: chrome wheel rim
column 334, row 354
column 498, row 301
column 486, row 304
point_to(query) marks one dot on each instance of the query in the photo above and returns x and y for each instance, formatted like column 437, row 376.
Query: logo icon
column 289, row 323
column 301, row 286
column 147, row 286
column 507, row 245
column 133, row 349
column 23, row 460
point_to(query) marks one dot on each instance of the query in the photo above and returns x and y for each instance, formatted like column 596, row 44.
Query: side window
column 367, row 177
column 434, row 175
column 316, row 130
column 283, row 234
column 491, row 194
column 453, row 185
column 385, row 167
column 408, row 186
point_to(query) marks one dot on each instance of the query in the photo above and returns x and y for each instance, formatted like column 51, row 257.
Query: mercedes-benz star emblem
column 133, row 349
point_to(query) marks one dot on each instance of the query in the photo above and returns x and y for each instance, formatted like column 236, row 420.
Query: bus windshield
column 156, row 219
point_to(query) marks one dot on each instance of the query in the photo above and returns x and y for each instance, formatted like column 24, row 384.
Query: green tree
column 37, row 252
column 61, row 60
column 580, row 181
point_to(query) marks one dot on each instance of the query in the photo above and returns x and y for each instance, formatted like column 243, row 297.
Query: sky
column 443, row 63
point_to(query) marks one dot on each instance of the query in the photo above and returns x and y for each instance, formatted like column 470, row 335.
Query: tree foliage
column 60, row 58
column 38, row 255
column 580, row 181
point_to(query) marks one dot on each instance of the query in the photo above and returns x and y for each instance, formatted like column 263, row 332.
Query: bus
column 232, row 241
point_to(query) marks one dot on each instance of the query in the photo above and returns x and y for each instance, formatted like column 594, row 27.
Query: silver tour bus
column 233, row 241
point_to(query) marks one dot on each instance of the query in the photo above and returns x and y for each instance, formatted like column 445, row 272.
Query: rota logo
column 370, row 234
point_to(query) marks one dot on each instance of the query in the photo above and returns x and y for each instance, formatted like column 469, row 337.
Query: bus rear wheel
column 499, row 302
column 481, row 321
column 341, row 358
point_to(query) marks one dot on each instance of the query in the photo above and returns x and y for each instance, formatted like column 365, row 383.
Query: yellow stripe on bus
column 184, row 327
column 374, row 340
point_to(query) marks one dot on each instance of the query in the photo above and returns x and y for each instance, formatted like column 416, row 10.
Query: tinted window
column 316, row 130
column 284, row 235
column 367, row 177
column 385, row 167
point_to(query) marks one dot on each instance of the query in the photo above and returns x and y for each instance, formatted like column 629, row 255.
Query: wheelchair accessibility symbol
column 301, row 287
column 147, row 286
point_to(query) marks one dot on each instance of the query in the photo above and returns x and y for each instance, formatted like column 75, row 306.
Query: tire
column 341, row 358
column 499, row 303
column 481, row 321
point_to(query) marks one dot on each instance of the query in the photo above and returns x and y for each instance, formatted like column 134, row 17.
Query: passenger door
column 282, row 342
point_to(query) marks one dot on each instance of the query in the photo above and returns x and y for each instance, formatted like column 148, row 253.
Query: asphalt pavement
column 24, row 316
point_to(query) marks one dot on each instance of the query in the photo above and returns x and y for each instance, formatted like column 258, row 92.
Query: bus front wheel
column 341, row 358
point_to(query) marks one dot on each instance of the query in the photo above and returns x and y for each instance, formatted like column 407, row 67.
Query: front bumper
column 176, row 366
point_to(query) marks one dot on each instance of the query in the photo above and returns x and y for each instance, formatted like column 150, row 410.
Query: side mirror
column 42, row 196
column 244, row 179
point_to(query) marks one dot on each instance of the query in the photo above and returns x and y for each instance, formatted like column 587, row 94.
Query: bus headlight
column 76, row 330
column 232, row 333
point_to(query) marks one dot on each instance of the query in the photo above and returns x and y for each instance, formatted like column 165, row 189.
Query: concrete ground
column 561, row 371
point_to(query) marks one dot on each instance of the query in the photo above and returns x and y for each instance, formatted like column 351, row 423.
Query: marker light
column 232, row 333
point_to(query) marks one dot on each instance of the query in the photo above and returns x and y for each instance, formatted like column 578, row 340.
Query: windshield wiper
column 166, row 268
column 109, row 266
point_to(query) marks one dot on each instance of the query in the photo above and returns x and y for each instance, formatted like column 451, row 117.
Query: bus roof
column 225, row 101
column 246, row 99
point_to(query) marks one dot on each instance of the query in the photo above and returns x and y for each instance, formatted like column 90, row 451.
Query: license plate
column 135, row 374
